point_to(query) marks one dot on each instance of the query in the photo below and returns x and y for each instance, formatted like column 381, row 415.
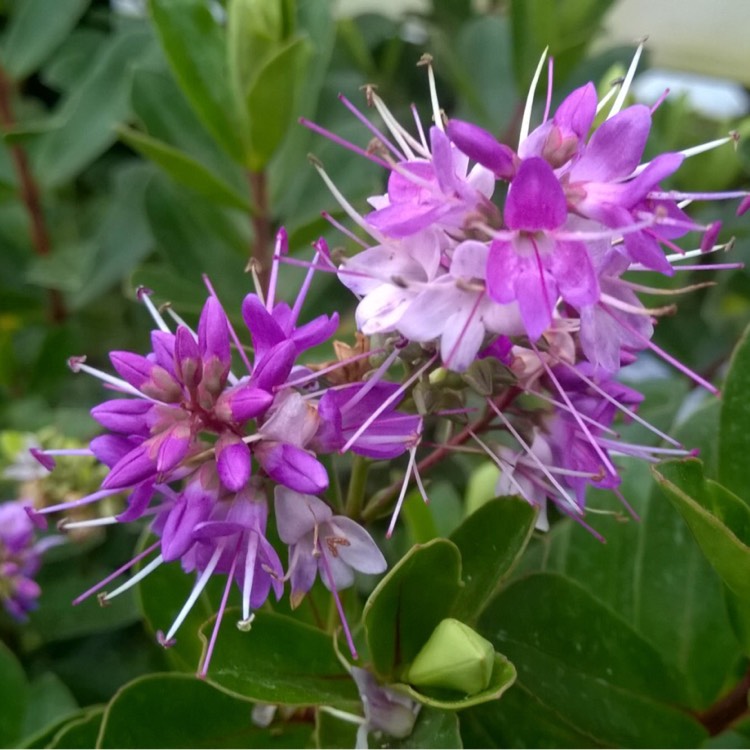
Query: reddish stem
column 728, row 709
column 29, row 193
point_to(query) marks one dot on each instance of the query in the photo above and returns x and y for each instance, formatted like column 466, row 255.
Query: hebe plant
column 465, row 514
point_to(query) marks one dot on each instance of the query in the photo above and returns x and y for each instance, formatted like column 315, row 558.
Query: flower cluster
column 524, row 255
column 20, row 559
column 198, row 450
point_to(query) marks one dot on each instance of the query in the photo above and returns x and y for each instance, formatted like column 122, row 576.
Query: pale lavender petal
column 503, row 267
column 442, row 160
column 297, row 514
column 361, row 552
column 574, row 273
column 470, row 260
column 462, row 339
column 382, row 308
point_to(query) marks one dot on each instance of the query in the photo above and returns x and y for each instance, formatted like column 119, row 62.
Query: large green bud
column 454, row 657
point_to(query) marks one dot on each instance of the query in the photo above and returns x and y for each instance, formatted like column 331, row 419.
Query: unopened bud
column 454, row 657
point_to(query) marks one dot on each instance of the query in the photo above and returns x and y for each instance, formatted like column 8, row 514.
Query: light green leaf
column 195, row 46
column 719, row 520
column 272, row 98
column 36, row 29
column 407, row 605
column 583, row 662
column 50, row 700
column 184, row 169
column 89, row 114
column 279, row 660
column 734, row 432
column 172, row 710
column 490, row 541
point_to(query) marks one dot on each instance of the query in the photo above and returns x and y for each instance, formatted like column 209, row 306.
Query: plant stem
column 728, row 709
column 385, row 496
column 261, row 219
column 355, row 496
column 29, row 194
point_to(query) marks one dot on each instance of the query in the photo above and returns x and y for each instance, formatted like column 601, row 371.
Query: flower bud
column 454, row 657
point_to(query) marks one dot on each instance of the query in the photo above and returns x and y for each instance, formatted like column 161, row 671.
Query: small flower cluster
column 478, row 250
column 198, row 451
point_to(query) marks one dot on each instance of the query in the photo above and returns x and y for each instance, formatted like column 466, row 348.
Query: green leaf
column 81, row 732
column 434, row 728
column 582, row 661
column 407, row 605
column 50, row 700
column 719, row 520
column 36, row 29
column 490, row 541
column 184, row 169
column 649, row 566
column 14, row 696
column 195, row 46
column 88, row 115
column 166, row 115
column 171, row 710
column 271, row 101
column 734, row 433
column 280, row 660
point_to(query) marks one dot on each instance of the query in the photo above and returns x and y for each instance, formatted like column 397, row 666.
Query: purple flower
column 20, row 558
column 319, row 542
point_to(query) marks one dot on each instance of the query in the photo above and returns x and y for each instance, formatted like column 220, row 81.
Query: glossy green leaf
column 490, row 541
column 271, row 101
column 89, row 114
column 279, row 660
column 734, row 435
column 195, row 46
column 14, row 696
column 333, row 731
column 184, row 169
column 519, row 720
column 650, row 571
column 81, row 732
column 35, row 30
column 579, row 659
column 719, row 520
column 175, row 710
column 407, row 605
column 434, row 728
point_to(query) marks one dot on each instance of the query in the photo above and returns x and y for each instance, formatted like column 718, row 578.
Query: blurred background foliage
column 150, row 143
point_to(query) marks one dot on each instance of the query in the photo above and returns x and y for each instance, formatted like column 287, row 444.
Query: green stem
column 355, row 497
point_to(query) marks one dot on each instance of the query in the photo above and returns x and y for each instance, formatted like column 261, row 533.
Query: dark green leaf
column 734, row 434
column 280, row 660
column 89, row 114
column 195, row 46
column 434, row 728
column 582, row 661
column 81, row 732
column 719, row 520
column 181, row 711
column 490, row 541
column 184, row 169
column 334, row 732
column 408, row 604
column 14, row 696
column 35, row 30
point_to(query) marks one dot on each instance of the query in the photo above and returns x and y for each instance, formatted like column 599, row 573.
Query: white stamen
column 605, row 99
column 118, row 383
column 247, row 584
column 436, row 114
column 402, row 494
column 625, row 88
column 401, row 136
column 139, row 576
column 144, row 297
column 526, row 122
column 195, row 593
